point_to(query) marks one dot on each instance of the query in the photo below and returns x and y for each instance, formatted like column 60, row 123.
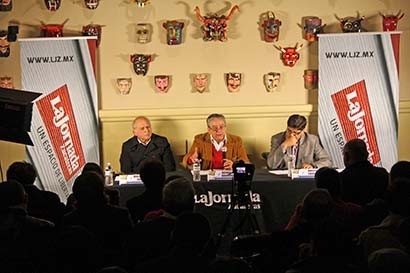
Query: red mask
column 390, row 21
column 290, row 55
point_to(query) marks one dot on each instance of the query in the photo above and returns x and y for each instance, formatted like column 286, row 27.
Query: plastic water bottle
column 290, row 166
column 108, row 175
column 196, row 172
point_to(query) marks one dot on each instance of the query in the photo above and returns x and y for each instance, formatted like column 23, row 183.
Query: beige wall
column 252, row 113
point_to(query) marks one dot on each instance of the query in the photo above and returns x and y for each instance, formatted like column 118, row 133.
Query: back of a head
column 328, row 179
column 152, row 173
column 88, row 189
column 297, row 121
column 92, row 167
column 389, row 260
column 192, row 230
column 400, row 169
column 400, row 196
column 178, row 196
column 11, row 194
column 355, row 150
column 22, row 172
column 317, row 205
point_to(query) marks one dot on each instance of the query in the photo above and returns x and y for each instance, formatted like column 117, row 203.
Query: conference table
column 267, row 207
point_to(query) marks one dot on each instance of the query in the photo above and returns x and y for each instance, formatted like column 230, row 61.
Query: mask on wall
column 351, row 24
column 53, row 5
column 143, row 32
column 162, row 83
column 290, row 55
column 92, row 4
column 390, row 21
column 141, row 63
column 93, row 30
column 7, row 36
column 141, row 3
column 200, row 82
column 271, row 27
column 214, row 27
column 6, row 82
column 310, row 79
column 174, row 32
column 6, row 5
column 313, row 27
column 233, row 81
column 124, row 85
column 52, row 30
column 271, row 81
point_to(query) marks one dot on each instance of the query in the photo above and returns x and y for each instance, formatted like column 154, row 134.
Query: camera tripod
column 241, row 201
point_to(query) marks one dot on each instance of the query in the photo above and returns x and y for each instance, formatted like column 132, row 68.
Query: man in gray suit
column 302, row 146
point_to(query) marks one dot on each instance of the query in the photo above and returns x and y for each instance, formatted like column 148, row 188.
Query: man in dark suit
column 145, row 145
column 304, row 147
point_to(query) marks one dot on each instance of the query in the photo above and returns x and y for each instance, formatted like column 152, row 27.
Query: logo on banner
column 353, row 109
column 57, row 114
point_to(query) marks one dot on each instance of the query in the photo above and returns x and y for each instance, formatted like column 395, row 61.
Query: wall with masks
column 180, row 113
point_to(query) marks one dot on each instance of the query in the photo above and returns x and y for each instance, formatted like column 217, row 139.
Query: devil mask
column 141, row 63
column 174, row 32
column 313, row 26
column 290, row 55
column 390, row 21
column 6, row 82
column 162, row 83
column 93, row 30
column 6, row 5
column 92, row 4
column 271, row 27
column 53, row 5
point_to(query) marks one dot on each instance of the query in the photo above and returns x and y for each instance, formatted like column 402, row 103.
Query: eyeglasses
column 294, row 132
column 217, row 128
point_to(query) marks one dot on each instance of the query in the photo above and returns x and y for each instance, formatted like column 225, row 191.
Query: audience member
column 189, row 238
column 152, row 238
column 345, row 212
column 41, row 204
column 361, row 181
column 145, row 145
column 304, row 147
column 389, row 260
column 109, row 224
column 25, row 241
column 400, row 169
column 216, row 149
column 387, row 233
column 152, row 174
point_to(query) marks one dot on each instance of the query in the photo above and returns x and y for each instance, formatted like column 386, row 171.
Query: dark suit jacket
column 158, row 148
column 235, row 150
column 310, row 151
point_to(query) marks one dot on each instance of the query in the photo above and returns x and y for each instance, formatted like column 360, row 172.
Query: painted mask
column 313, row 26
column 52, row 30
column 141, row 63
column 174, row 32
column 124, row 85
column 271, row 27
column 4, row 44
column 6, row 82
column 290, row 55
column 141, row 3
column 351, row 24
column 271, row 81
column 310, row 79
column 143, row 32
column 93, row 30
column 53, row 5
column 162, row 83
column 390, row 21
column 92, row 4
column 214, row 27
column 6, row 5
column 233, row 82
column 200, row 82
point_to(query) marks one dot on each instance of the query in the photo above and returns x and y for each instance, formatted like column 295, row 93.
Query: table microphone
column 223, row 149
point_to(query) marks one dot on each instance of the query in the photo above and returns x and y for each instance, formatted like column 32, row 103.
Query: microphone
column 223, row 149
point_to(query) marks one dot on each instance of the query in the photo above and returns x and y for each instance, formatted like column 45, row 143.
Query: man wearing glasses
column 304, row 148
column 216, row 149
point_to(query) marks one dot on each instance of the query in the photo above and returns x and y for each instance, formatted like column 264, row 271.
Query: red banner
column 353, row 109
column 57, row 114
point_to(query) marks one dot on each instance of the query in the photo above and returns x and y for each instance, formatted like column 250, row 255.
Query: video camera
column 242, row 176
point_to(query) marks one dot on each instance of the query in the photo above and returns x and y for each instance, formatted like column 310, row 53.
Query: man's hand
column 290, row 141
column 306, row 166
column 194, row 157
column 227, row 164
